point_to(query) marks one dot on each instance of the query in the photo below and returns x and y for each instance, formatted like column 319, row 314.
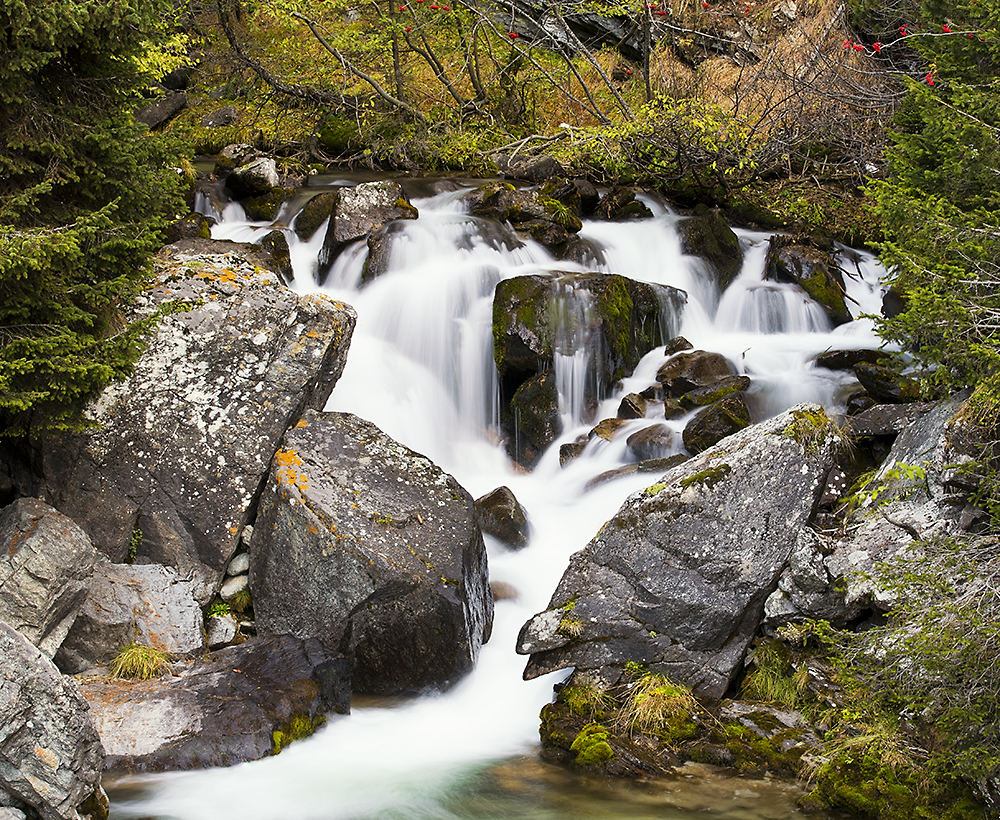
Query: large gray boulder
column 677, row 579
column 359, row 211
column 241, row 703
column 149, row 604
column 371, row 548
column 179, row 450
column 918, row 485
column 50, row 754
column 45, row 564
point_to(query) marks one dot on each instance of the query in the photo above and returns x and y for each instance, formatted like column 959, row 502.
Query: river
column 420, row 367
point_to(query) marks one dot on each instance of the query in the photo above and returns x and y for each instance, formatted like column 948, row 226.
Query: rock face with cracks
column 50, row 754
column 181, row 447
column 677, row 579
column 371, row 548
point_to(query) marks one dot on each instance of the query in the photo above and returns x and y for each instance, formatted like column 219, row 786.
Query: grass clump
column 587, row 698
column 774, row 679
column 657, row 706
column 139, row 662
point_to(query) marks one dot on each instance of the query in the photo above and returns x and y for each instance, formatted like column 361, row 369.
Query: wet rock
column 607, row 429
column 708, row 236
column 361, row 210
column 264, row 207
column 620, row 204
column 50, row 754
column 255, row 177
column 570, row 450
column 655, row 441
column 133, row 603
column 276, row 244
column 369, row 547
column 45, row 566
column 221, row 710
column 313, row 214
column 529, row 212
column 885, row 419
column 579, row 195
column 179, row 450
column 812, row 269
column 633, row 406
column 886, row 385
column 192, row 226
column 677, row 579
column 689, row 370
column 846, row 359
column 499, row 514
column 858, row 402
column 649, row 465
column 711, row 393
column 535, row 419
column 716, row 422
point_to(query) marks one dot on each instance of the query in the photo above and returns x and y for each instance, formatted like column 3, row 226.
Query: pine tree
column 84, row 191
column 941, row 204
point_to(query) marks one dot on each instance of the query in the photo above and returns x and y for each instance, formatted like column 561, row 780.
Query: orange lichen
column 288, row 462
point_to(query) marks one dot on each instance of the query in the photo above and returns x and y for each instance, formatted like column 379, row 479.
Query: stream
column 421, row 368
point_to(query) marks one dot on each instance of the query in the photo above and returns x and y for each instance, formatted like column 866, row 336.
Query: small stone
column 240, row 565
column 246, row 535
column 220, row 630
column 233, row 586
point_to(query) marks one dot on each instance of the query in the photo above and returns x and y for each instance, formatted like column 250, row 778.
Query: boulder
column 708, row 236
column 163, row 110
column 361, row 210
column 499, row 514
column 372, row 549
column 677, row 579
column 830, row 577
column 813, row 269
column 620, row 204
column 254, row 177
column 846, row 359
column 276, row 244
column 691, row 369
column 241, row 703
column 147, row 604
column 655, row 441
column 529, row 212
column 632, row 406
column 717, row 421
column 221, row 117
column 579, row 195
column 178, row 451
column 45, row 566
column 711, row 393
column 533, row 169
column 50, row 754
column 886, row 384
column 192, row 226
column 534, row 420
column 313, row 214
column 264, row 207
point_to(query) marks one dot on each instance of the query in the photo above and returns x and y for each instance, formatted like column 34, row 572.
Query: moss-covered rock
column 708, row 235
column 714, row 423
column 812, row 268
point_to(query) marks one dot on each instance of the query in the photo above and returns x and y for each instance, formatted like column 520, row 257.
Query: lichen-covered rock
column 677, row 579
column 238, row 704
column 50, row 755
column 499, row 514
column 361, row 210
column 812, row 269
column 148, row 604
column 370, row 547
column 179, row 449
column 831, row 577
column 45, row 566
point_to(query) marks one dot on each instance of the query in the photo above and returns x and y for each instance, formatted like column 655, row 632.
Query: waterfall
column 421, row 368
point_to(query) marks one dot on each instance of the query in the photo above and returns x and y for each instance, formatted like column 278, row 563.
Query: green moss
column 561, row 215
column 615, row 307
column 299, row 727
column 653, row 489
column 591, row 745
column 133, row 545
column 708, row 477
column 810, row 428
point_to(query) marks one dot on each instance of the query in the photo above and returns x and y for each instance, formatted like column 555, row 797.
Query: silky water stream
column 421, row 368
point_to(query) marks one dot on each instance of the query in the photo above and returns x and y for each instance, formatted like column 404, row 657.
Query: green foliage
column 941, row 205
column 218, row 608
column 138, row 662
column 83, row 193
column 657, row 706
column 241, row 601
column 774, row 679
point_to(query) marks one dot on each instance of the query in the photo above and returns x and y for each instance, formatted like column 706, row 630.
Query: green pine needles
column 84, row 192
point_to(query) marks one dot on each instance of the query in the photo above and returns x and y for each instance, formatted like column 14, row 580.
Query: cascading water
column 420, row 367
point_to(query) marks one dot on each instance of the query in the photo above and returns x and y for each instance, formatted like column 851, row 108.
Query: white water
column 420, row 367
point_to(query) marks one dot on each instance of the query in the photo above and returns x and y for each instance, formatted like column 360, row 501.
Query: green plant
column 133, row 545
column 218, row 608
column 241, row 601
column 139, row 662
column 774, row 679
column 657, row 706
column 591, row 745
column 587, row 698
